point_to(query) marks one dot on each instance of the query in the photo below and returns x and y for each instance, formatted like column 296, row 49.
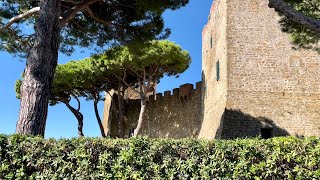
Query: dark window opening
column 218, row 70
column 211, row 42
column 266, row 133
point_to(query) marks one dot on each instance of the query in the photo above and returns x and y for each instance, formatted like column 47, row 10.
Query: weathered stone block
column 167, row 93
column 185, row 90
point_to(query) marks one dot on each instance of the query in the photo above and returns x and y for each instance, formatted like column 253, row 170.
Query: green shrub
column 23, row 157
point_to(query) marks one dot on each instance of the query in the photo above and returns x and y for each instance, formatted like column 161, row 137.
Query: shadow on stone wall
column 237, row 124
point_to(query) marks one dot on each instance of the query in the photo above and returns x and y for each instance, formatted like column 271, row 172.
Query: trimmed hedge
column 23, row 157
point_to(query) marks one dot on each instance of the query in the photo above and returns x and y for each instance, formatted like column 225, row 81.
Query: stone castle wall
column 175, row 115
column 263, row 85
column 214, row 51
column 269, row 83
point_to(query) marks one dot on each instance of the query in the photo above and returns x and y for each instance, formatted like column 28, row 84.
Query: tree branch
column 108, row 92
column 78, row 25
column 148, row 85
column 78, row 101
column 295, row 16
column 123, row 79
column 140, row 88
column 101, row 20
column 136, row 72
column 126, row 83
column 20, row 17
column 79, row 117
column 155, row 71
column 144, row 80
column 67, row 16
column 24, row 41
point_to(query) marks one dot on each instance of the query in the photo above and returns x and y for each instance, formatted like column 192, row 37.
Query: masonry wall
column 110, row 110
column 269, row 83
column 264, row 84
column 107, row 112
column 175, row 114
column 214, row 49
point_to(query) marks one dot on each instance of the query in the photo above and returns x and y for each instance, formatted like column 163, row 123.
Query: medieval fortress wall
column 268, row 81
column 214, row 69
column 253, row 83
column 175, row 114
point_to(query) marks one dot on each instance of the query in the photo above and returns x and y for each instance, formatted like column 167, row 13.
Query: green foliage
column 108, row 22
column 75, row 78
column 13, row 40
column 17, row 89
column 301, row 36
column 23, row 157
column 78, row 78
column 155, row 58
column 89, row 77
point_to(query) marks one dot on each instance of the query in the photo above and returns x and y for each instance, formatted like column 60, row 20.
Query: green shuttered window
column 218, row 70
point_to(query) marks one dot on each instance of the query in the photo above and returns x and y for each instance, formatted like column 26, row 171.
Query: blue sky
column 186, row 25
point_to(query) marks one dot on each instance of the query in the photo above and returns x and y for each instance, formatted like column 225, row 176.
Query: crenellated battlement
column 184, row 92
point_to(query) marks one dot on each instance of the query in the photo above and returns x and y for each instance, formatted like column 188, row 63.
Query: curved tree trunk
column 120, row 110
column 98, row 118
column 79, row 117
column 141, row 115
column 40, row 68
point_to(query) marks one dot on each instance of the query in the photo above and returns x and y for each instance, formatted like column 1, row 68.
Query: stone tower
column 254, row 83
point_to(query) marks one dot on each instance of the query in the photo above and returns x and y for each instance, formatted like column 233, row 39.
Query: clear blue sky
column 186, row 25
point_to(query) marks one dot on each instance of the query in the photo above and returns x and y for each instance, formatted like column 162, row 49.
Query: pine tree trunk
column 141, row 115
column 79, row 117
column 120, row 117
column 40, row 68
column 98, row 118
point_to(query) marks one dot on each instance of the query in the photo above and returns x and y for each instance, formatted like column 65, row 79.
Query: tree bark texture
column 141, row 115
column 79, row 117
column 98, row 118
column 40, row 68
column 120, row 111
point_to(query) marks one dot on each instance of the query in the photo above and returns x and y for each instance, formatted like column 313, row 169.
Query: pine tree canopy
column 90, row 23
